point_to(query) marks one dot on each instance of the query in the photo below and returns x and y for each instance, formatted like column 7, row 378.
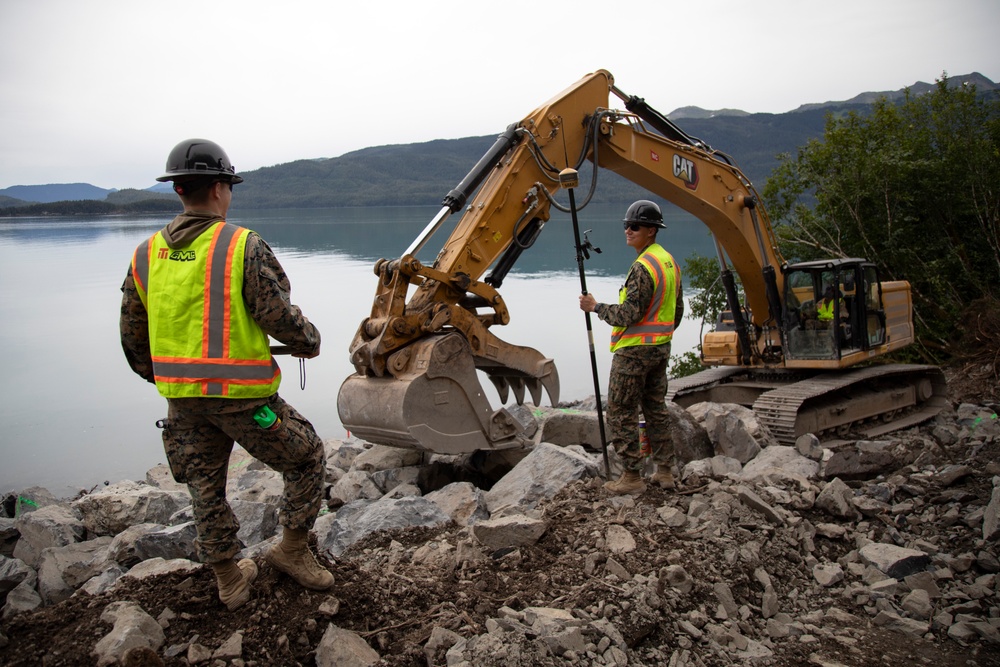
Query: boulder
column 114, row 508
column 47, row 527
column 540, row 475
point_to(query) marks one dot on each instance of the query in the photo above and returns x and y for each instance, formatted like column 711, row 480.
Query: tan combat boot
column 292, row 556
column 234, row 581
column 664, row 477
column 629, row 483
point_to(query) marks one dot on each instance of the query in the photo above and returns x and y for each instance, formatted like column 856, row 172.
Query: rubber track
column 779, row 409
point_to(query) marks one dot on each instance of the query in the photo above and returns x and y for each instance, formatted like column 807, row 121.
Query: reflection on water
column 74, row 415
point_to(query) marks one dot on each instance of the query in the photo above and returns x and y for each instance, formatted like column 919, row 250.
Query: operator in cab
column 821, row 317
column 199, row 302
column 643, row 322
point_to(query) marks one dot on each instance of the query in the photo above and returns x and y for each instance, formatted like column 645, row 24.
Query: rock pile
column 828, row 554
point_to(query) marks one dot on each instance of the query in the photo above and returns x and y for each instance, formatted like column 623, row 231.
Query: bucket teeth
column 502, row 387
column 517, row 385
column 535, row 389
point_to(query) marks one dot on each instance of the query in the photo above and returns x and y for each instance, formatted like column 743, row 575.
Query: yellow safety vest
column 202, row 339
column 825, row 311
column 657, row 325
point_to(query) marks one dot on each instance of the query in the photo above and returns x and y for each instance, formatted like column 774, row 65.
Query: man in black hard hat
column 199, row 303
column 643, row 321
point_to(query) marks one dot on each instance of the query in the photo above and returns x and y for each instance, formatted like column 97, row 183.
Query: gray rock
column 539, row 476
column 952, row 474
column 12, row 572
column 389, row 479
column 343, row 648
column 897, row 623
column 462, row 501
column 341, row 455
column 62, row 570
column 897, row 562
column 9, row 535
column 676, row 577
column 828, row 574
column 258, row 520
column 509, row 531
column 861, row 460
column 133, row 628
column 355, row 521
column 569, row 426
column 160, row 477
column 836, row 499
column 755, row 502
column 168, row 543
column 725, row 597
column 104, row 580
column 123, row 550
column 23, row 597
column 46, row 527
column 355, row 485
column 256, row 486
column 619, row 540
column 383, row 457
column 808, row 445
column 157, row 566
column 733, row 429
column 114, row 508
column 918, row 604
column 779, row 463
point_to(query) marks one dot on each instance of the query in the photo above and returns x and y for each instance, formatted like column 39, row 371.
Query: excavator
column 792, row 349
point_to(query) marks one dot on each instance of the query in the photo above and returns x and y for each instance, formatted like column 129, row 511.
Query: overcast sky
column 99, row 91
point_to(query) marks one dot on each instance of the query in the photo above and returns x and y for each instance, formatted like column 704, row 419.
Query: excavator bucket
column 435, row 403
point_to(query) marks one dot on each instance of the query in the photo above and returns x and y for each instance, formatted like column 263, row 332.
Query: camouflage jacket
column 266, row 290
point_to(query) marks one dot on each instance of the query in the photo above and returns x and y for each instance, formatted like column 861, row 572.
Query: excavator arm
column 418, row 354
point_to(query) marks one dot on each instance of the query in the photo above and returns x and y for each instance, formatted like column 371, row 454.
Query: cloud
column 100, row 91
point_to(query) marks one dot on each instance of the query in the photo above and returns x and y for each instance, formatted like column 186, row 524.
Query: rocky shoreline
column 766, row 555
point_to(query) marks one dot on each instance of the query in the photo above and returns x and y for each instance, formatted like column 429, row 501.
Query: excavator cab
column 832, row 309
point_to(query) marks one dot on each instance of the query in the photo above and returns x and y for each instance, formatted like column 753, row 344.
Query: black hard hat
column 645, row 212
column 199, row 157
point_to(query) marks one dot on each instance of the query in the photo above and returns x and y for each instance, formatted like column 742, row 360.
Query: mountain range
column 421, row 173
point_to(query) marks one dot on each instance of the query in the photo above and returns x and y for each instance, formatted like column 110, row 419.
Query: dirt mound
column 394, row 592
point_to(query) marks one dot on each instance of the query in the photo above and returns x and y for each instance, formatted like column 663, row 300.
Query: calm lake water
column 74, row 415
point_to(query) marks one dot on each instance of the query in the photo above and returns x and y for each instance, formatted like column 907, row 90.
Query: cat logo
column 686, row 170
column 183, row 256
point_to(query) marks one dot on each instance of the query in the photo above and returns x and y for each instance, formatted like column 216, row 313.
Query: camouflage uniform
column 199, row 433
column 638, row 379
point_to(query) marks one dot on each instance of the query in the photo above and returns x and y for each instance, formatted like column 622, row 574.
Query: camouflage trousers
column 639, row 381
column 198, row 438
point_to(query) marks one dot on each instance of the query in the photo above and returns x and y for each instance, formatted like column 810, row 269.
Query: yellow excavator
column 790, row 350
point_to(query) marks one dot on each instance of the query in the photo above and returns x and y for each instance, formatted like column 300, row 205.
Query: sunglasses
column 633, row 226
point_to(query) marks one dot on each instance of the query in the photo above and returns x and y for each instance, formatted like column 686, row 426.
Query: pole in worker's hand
column 568, row 180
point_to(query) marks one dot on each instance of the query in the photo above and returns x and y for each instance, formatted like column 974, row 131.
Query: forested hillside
column 422, row 173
